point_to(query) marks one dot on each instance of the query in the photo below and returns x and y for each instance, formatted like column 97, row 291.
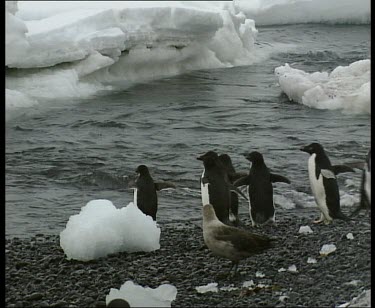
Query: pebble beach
column 39, row 275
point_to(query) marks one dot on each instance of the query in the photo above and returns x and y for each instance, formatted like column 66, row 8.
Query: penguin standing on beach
column 323, row 183
column 259, row 186
column 232, row 175
column 145, row 196
column 215, row 186
column 365, row 202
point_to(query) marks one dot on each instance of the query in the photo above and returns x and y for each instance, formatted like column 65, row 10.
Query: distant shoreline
column 38, row 274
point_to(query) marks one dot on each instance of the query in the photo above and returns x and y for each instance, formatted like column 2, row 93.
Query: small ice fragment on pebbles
column 350, row 236
column 259, row 274
column 228, row 288
column 353, row 283
column 305, row 230
column 292, row 268
column 311, row 260
column 211, row 287
column 282, row 298
column 327, row 249
column 344, row 305
column 281, row 270
column 248, row 284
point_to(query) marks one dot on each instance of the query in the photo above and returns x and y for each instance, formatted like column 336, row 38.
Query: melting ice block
column 211, row 287
column 101, row 229
column 138, row 296
column 305, row 230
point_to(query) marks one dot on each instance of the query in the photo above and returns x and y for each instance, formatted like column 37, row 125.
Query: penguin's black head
column 142, row 169
column 226, row 161
column 254, row 157
column 210, row 158
column 312, row 148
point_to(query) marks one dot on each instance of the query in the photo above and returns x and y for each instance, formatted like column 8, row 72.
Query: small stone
column 34, row 297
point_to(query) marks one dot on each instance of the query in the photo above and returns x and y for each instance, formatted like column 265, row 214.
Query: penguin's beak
column 304, row 149
column 200, row 157
column 246, row 155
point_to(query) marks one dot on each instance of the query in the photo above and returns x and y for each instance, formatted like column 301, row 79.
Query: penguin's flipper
column 236, row 190
column 164, row 185
column 279, row 178
column 237, row 175
column 245, row 180
column 341, row 169
column 356, row 165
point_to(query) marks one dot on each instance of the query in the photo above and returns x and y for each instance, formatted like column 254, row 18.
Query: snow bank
column 278, row 12
column 346, row 87
column 98, row 44
column 101, row 229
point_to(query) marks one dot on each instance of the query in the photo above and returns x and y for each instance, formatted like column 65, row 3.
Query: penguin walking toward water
column 365, row 202
column 259, row 186
column 215, row 186
column 145, row 193
column 323, row 183
column 232, row 175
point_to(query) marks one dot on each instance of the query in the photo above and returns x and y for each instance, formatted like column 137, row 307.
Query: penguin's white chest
column 204, row 191
column 317, row 187
column 135, row 196
column 368, row 185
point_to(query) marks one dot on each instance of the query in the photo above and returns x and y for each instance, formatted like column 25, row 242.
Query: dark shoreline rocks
column 38, row 274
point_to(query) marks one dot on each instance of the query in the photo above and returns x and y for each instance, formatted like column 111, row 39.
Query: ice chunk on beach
column 211, row 287
column 281, row 270
column 101, row 229
column 229, row 288
column 248, row 284
column 346, row 87
column 350, row 236
column 311, row 260
column 292, row 268
column 138, row 296
column 259, row 274
column 327, row 249
column 305, row 230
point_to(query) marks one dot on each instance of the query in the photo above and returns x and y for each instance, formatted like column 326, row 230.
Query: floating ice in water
column 292, row 268
column 101, row 229
column 228, row 288
column 101, row 43
column 259, row 274
column 350, row 236
column 305, row 230
column 281, row 270
column 327, row 249
column 346, row 87
column 311, row 260
column 278, row 12
column 138, row 296
column 248, row 284
column 211, row 287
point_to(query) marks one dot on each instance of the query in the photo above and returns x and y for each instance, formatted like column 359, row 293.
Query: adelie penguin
column 232, row 175
column 323, row 183
column 259, row 186
column 145, row 196
column 365, row 191
column 215, row 186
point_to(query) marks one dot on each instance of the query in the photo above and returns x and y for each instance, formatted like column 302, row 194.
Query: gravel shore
column 38, row 274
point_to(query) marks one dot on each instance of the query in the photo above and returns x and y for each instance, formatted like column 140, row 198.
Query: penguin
column 215, row 186
column 230, row 242
column 259, row 186
column 365, row 191
column 145, row 196
column 226, row 161
column 323, row 183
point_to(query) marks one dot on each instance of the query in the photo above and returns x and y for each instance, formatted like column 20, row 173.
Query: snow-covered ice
column 101, row 229
column 327, row 249
column 138, row 296
column 346, row 87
